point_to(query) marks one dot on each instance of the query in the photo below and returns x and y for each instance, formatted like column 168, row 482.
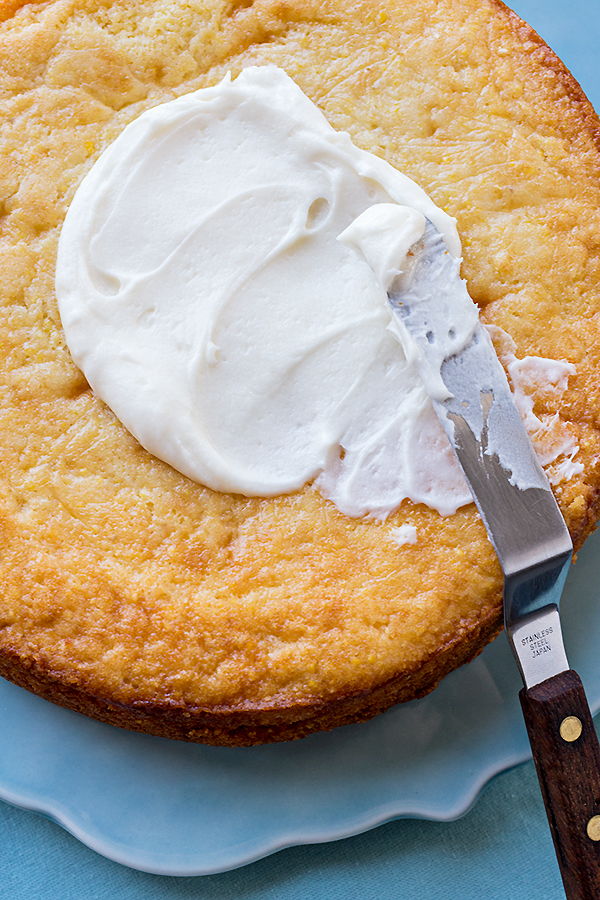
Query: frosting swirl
column 207, row 298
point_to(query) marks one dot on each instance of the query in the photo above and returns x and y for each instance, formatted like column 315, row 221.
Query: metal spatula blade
column 474, row 403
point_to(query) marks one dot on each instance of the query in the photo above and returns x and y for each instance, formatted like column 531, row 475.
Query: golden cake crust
column 147, row 601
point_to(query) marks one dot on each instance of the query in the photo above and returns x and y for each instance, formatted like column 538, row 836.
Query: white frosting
column 404, row 534
column 383, row 234
column 536, row 378
column 205, row 294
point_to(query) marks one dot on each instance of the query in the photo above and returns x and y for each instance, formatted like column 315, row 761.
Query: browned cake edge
column 246, row 727
column 260, row 725
column 553, row 62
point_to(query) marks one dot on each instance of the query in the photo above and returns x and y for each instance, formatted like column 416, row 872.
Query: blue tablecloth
column 501, row 848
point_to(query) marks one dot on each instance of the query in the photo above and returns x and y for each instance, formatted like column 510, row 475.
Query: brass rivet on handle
column 593, row 828
column 570, row 729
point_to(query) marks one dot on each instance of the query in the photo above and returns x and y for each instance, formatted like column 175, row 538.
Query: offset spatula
column 533, row 545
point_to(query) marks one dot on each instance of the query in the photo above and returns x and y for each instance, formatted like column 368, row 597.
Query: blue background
column 502, row 847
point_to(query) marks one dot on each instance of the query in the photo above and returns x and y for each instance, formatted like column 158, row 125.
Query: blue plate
column 184, row 809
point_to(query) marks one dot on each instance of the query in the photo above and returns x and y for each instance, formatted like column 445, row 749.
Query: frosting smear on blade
column 206, row 296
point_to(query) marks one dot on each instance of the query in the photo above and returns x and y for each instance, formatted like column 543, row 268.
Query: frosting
column 535, row 378
column 404, row 534
column 205, row 295
column 383, row 234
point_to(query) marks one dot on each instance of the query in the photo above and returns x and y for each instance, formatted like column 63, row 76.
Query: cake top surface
column 145, row 584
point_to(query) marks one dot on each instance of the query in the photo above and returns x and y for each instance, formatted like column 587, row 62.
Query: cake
column 139, row 597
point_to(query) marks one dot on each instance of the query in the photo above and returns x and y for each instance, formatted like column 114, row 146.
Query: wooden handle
column 567, row 758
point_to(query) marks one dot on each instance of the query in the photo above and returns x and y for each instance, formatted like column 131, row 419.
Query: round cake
column 146, row 600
